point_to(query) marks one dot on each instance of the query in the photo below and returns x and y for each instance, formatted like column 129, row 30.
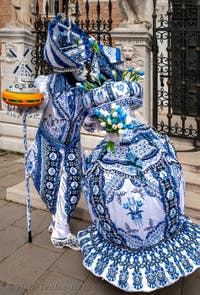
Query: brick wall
column 116, row 16
column 6, row 12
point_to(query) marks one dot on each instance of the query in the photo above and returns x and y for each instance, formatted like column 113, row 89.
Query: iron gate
column 176, row 68
column 96, row 26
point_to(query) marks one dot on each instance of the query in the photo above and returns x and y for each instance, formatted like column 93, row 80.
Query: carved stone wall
column 136, row 11
column 22, row 12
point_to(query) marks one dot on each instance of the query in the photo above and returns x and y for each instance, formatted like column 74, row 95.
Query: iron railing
column 95, row 26
column 176, row 69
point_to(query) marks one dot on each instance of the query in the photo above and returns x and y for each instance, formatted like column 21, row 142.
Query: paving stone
column 5, row 163
column 11, row 169
column 3, row 203
column 8, row 289
column 40, row 221
column 12, row 179
column 56, row 284
column 70, row 264
column 43, row 240
column 3, row 153
column 77, row 225
column 1, row 258
column 12, row 156
column 20, row 160
column 197, row 273
column 17, row 194
column 81, row 211
column 174, row 289
column 26, row 265
column 2, row 193
column 11, row 239
column 11, row 213
column 97, row 286
column 191, row 284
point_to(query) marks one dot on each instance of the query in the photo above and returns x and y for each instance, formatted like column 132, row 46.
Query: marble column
column 135, row 43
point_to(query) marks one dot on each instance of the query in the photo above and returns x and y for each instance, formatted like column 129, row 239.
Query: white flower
column 114, row 127
column 114, row 72
column 103, row 124
column 121, row 131
column 128, row 120
column 109, row 122
column 113, row 105
column 104, row 112
column 94, row 75
column 120, row 125
column 103, row 132
column 115, row 114
column 78, row 84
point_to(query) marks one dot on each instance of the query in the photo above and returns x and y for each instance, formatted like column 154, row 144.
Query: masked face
column 81, row 76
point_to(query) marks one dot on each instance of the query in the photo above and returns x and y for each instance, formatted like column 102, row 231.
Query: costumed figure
column 140, row 239
column 55, row 158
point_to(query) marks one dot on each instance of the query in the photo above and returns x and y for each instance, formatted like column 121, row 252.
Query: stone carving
column 9, row 53
column 136, row 11
column 131, row 56
column 72, row 7
column 22, row 11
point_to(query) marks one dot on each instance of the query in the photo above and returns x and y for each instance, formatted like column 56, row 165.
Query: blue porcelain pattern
column 140, row 239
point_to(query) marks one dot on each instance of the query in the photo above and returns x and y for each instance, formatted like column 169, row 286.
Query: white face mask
column 81, row 75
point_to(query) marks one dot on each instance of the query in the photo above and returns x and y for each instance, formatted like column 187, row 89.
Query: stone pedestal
column 17, row 45
column 135, row 43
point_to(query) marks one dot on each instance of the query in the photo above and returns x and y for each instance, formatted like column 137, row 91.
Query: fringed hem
column 142, row 270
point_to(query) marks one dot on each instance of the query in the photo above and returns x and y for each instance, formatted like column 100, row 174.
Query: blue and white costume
column 55, row 158
column 140, row 239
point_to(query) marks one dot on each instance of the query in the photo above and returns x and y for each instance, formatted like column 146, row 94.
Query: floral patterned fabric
column 140, row 239
column 56, row 149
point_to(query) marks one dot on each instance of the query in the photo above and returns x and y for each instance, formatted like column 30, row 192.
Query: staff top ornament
column 22, row 93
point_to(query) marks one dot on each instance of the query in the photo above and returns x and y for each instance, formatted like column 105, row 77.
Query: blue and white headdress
column 67, row 47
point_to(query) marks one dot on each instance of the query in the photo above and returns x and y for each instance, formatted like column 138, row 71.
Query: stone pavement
column 40, row 269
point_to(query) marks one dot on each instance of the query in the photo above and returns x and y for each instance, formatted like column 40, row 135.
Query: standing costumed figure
column 55, row 158
column 140, row 239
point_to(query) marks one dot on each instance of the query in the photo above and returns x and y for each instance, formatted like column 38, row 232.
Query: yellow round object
column 22, row 99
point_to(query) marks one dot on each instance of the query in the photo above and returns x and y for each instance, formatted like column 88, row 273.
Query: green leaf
column 124, row 74
column 110, row 146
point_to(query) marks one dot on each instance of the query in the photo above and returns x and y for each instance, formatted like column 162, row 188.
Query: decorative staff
column 20, row 97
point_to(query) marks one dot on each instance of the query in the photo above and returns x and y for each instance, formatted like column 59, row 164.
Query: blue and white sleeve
column 129, row 92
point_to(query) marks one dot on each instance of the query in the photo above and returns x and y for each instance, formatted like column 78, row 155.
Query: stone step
column 191, row 168
column 190, row 161
column 194, row 214
column 192, row 200
column 17, row 194
column 192, row 180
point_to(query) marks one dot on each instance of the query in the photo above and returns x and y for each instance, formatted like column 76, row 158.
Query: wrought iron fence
column 176, row 69
column 94, row 25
